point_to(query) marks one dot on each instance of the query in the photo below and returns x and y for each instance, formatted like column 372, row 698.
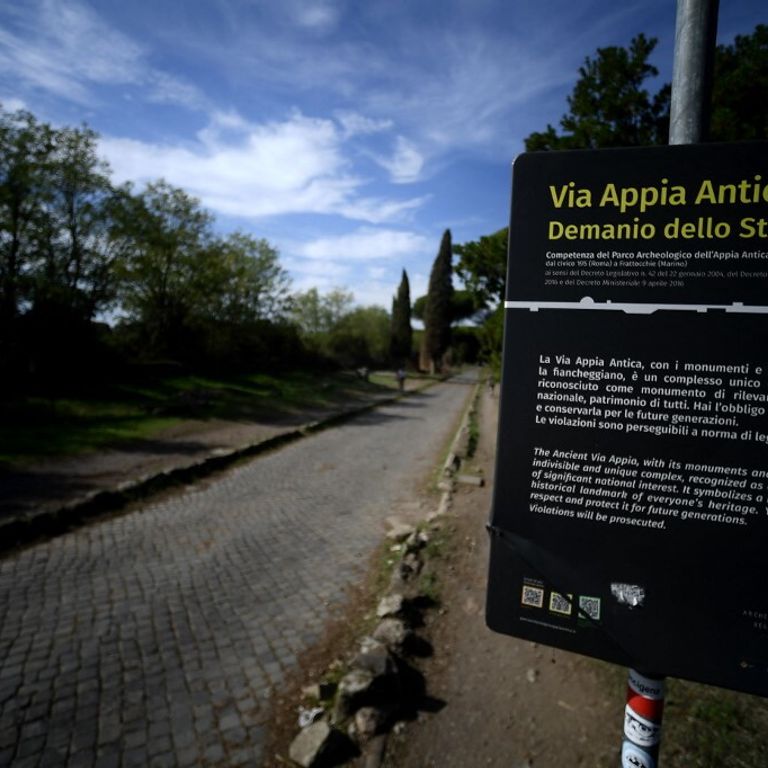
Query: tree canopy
column 438, row 309
column 401, row 334
column 739, row 103
column 609, row 105
column 482, row 266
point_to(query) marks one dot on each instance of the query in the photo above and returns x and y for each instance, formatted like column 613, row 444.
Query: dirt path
column 508, row 702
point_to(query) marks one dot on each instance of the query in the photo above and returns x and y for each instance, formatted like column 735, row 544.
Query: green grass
column 33, row 428
column 704, row 726
column 40, row 428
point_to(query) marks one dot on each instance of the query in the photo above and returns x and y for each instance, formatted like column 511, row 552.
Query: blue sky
column 349, row 134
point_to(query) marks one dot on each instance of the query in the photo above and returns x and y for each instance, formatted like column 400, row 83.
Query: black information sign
column 630, row 511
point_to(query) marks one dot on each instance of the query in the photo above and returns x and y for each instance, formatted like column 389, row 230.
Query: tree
column 609, row 106
column 463, row 306
column 739, row 105
column 361, row 337
column 161, row 286
column 77, row 246
column 401, row 334
column 437, row 312
column 482, row 266
column 315, row 314
column 25, row 151
column 334, row 330
column 241, row 281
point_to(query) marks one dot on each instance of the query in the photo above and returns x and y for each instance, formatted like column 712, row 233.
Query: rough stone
column 393, row 633
column 452, row 463
column 311, row 744
column 355, row 682
column 368, row 721
column 399, row 531
column 373, row 756
column 391, row 605
column 353, row 689
column 475, row 480
column 416, row 542
column 374, row 658
column 409, row 566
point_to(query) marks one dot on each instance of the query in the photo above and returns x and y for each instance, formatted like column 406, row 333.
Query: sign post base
column 642, row 721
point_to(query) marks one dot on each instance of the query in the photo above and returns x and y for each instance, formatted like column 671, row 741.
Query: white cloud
column 368, row 261
column 379, row 211
column 12, row 104
column 65, row 48
column 316, row 15
column 260, row 169
column 354, row 123
column 367, row 244
column 405, row 164
column 310, row 268
column 166, row 89
column 76, row 36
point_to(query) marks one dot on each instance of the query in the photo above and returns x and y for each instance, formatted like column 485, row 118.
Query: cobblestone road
column 154, row 638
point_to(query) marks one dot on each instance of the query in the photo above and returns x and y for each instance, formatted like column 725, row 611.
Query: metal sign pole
column 695, row 38
column 692, row 74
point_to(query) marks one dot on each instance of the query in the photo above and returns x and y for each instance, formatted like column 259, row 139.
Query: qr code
column 560, row 603
column 590, row 607
column 533, row 596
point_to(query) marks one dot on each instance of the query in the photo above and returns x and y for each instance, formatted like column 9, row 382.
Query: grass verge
column 34, row 427
column 704, row 726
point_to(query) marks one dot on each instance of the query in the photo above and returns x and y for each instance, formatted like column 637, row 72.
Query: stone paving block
column 28, row 747
column 53, row 757
column 84, row 758
column 165, row 760
column 242, row 757
column 26, row 762
column 135, row 758
column 107, row 761
column 214, row 753
column 112, row 748
column 234, row 736
column 187, row 757
column 160, row 745
column 134, row 739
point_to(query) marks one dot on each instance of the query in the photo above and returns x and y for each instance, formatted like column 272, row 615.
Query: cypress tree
column 401, row 335
column 438, row 311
